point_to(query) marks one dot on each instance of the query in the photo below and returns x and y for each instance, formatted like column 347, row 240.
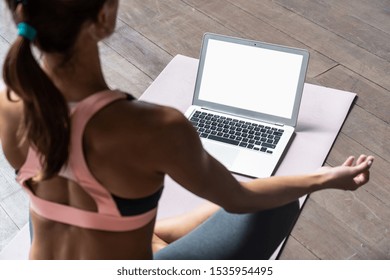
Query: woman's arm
column 185, row 160
column 280, row 190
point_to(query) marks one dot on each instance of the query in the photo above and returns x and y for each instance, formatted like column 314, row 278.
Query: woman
column 96, row 199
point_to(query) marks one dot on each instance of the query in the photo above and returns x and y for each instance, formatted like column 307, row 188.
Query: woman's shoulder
column 149, row 114
column 163, row 119
column 122, row 120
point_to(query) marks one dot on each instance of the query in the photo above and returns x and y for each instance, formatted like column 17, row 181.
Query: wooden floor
column 349, row 46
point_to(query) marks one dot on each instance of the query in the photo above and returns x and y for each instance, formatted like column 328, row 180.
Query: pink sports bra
column 114, row 213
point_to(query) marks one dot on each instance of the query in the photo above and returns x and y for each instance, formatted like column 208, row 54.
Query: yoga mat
column 323, row 111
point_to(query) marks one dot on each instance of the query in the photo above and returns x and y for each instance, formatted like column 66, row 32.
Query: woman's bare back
column 114, row 157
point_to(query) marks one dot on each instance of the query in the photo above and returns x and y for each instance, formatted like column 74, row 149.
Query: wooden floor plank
column 8, row 185
column 142, row 53
column 329, row 44
column 15, row 206
column 7, row 26
column 369, row 131
column 8, row 229
column 371, row 97
column 329, row 238
column 373, row 12
column 360, row 212
column 121, row 74
column 172, row 25
column 296, row 251
column 4, row 45
column 243, row 23
column 341, row 22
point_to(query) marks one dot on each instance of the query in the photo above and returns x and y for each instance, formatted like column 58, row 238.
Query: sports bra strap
column 82, row 113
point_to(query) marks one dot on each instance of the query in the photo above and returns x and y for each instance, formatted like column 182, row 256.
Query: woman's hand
column 349, row 175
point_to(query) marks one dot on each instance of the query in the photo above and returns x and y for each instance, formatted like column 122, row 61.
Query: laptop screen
column 250, row 77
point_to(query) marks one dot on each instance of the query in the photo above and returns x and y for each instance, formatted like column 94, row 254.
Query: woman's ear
column 105, row 21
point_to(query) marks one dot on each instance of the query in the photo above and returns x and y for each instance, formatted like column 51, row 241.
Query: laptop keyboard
column 248, row 135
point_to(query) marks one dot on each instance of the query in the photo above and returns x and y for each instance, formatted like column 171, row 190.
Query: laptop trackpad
column 219, row 151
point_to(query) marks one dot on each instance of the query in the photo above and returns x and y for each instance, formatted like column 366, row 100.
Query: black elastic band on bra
column 131, row 207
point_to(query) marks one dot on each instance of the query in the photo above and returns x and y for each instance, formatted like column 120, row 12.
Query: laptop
column 246, row 101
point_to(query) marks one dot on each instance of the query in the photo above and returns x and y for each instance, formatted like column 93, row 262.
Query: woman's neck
column 79, row 76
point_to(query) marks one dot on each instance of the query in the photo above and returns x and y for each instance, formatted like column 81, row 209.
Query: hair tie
column 27, row 31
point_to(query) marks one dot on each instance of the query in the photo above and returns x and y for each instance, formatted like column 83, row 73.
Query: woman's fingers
column 361, row 159
column 361, row 170
column 362, row 165
column 349, row 161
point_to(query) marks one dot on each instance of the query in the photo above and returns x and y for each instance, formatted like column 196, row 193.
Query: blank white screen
column 250, row 78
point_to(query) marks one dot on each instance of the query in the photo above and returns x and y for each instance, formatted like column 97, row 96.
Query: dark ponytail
column 46, row 123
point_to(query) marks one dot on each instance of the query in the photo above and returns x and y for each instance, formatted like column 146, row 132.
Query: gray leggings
column 227, row 236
